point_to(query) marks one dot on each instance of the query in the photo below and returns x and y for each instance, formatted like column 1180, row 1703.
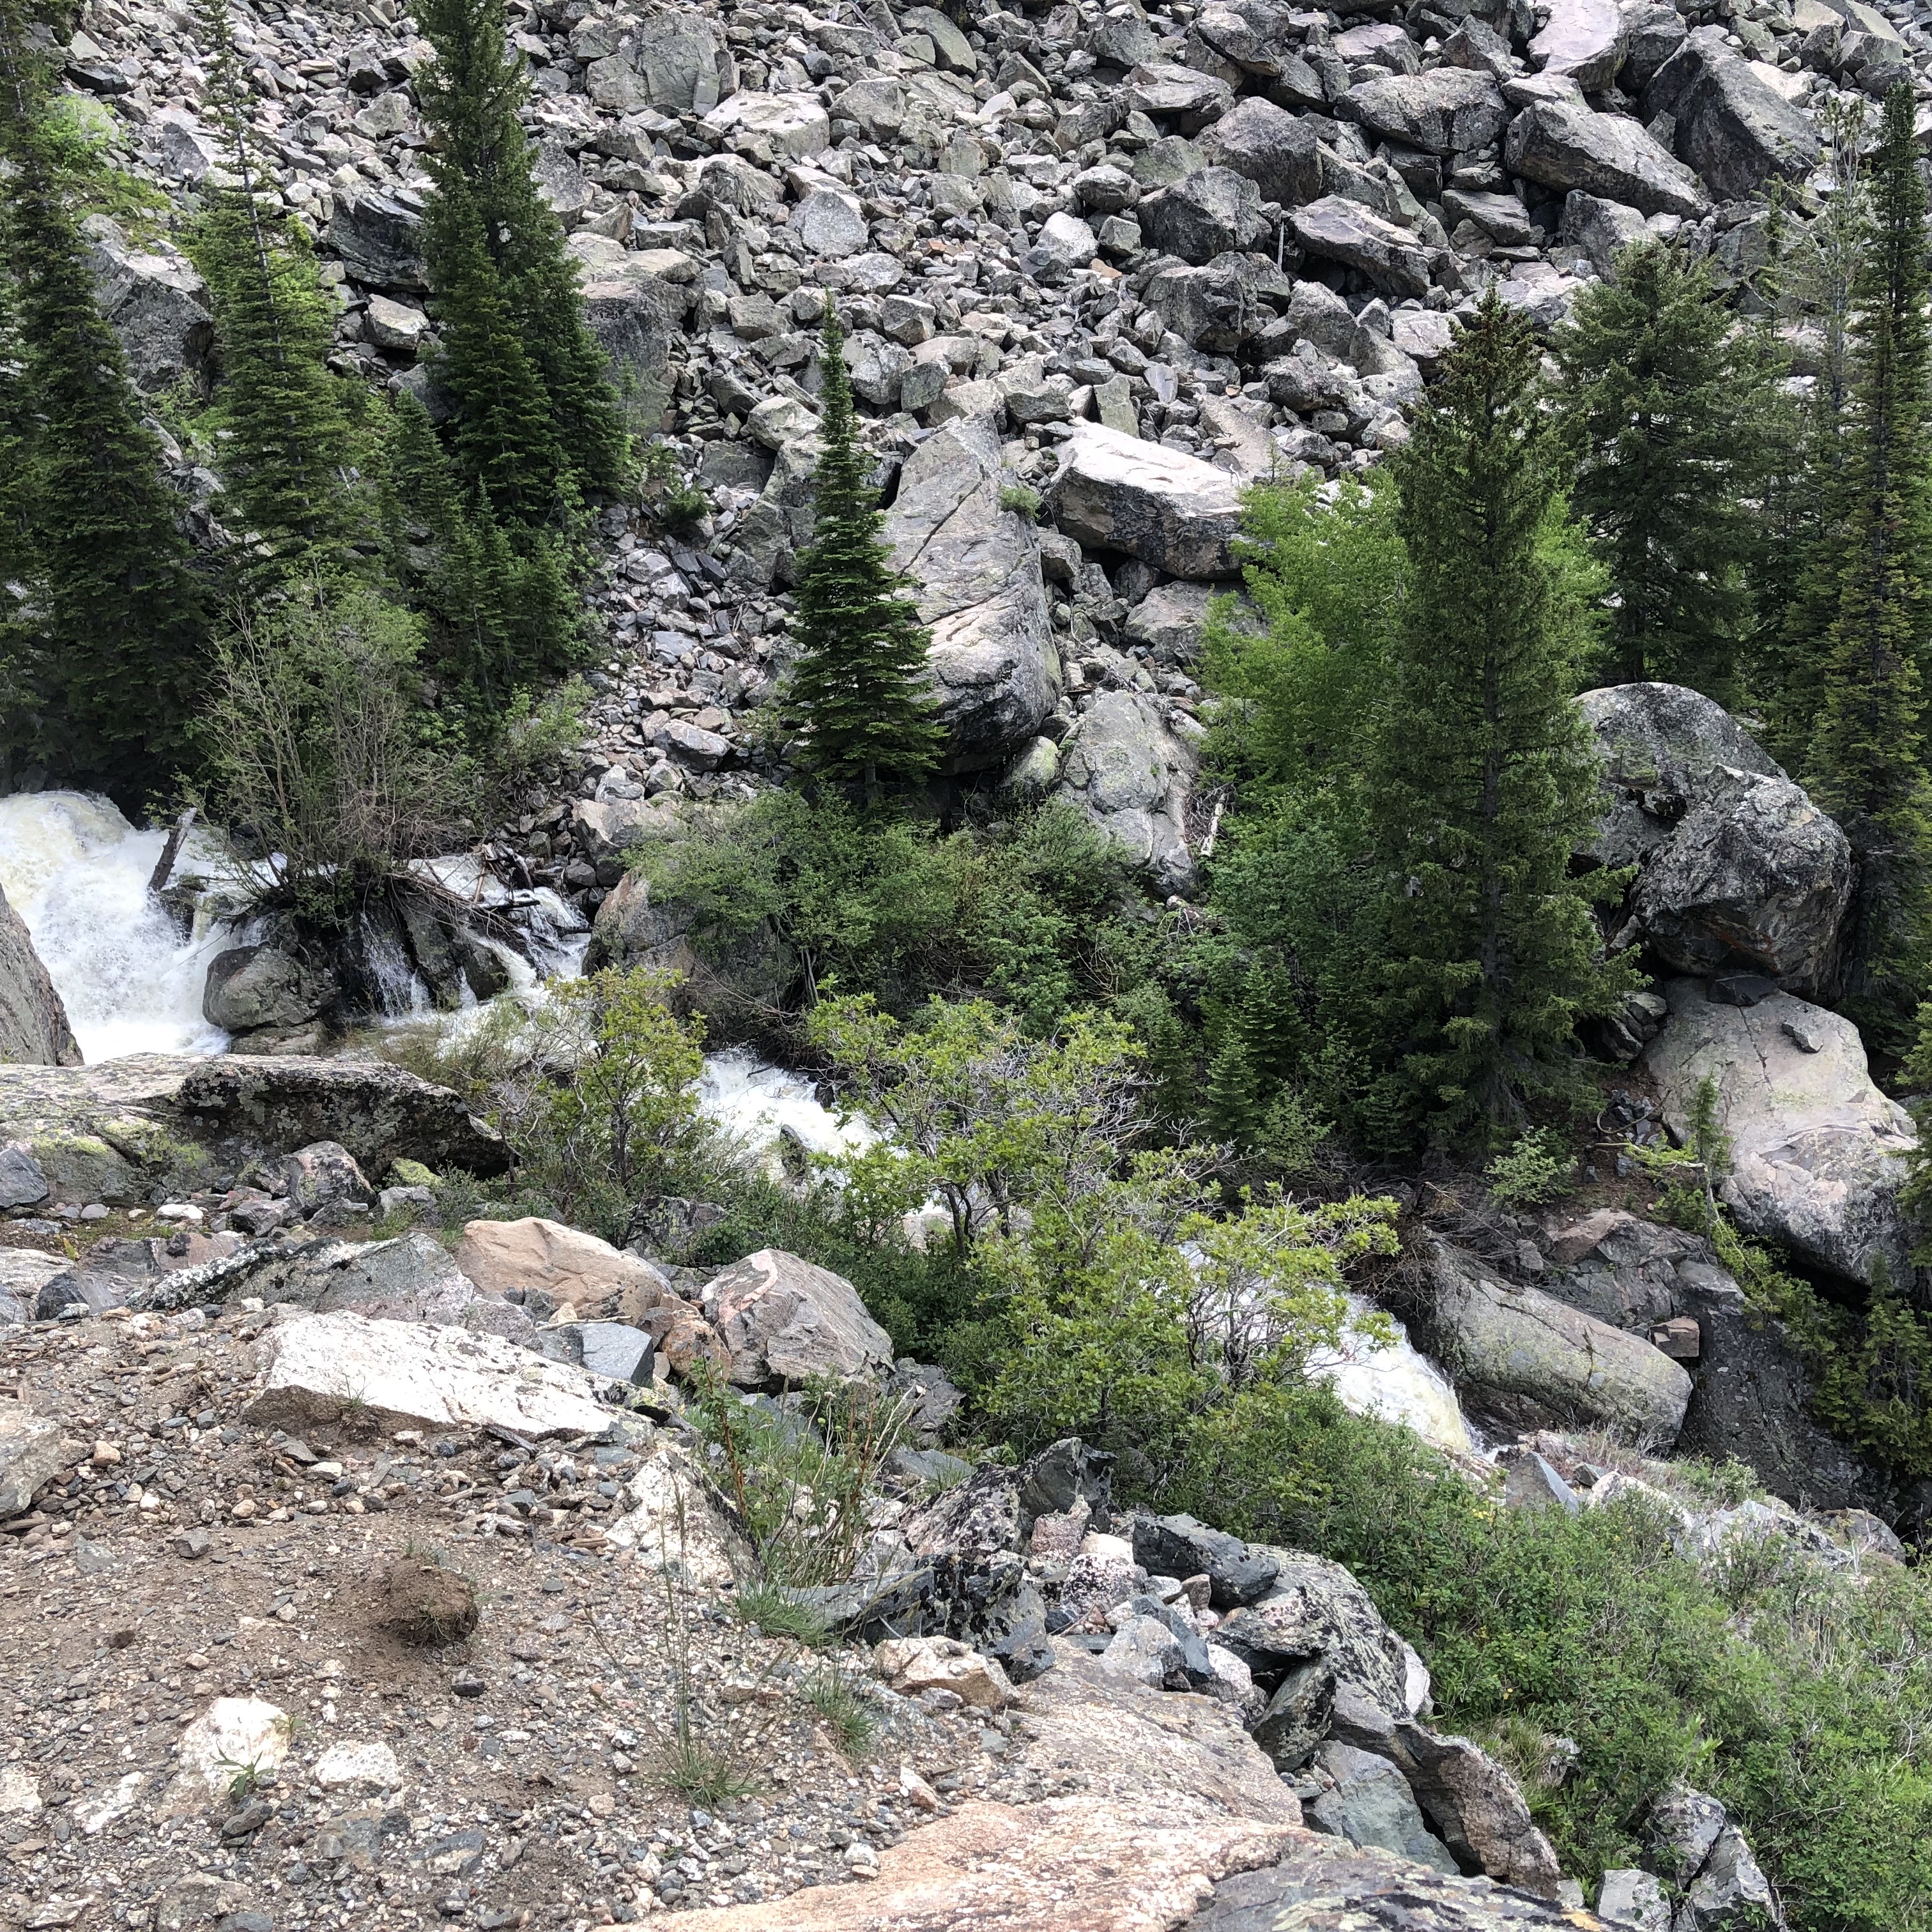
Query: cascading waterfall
column 77, row 873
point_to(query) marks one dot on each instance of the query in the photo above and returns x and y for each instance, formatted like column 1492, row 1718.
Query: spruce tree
column 1483, row 778
column 1867, row 765
column 20, row 722
column 286, row 459
column 1670, row 405
column 858, row 689
column 123, row 642
column 534, row 409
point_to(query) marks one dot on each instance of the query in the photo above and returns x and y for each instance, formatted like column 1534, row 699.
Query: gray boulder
column 32, row 1453
column 1738, row 867
column 1114, row 492
column 1562, row 144
column 993, row 660
column 1633, row 1898
column 1127, row 770
column 1448, row 110
column 1652, row 33
column 1583, row 39
column 23, row 1184
column 411, row 1278
column 785, row 1320
column 1169, row 620
column 1213, row 212
column 24, row 1272
column 378, row 238
column 1272, row 147
column 1735, row 129
column 1699, row 1848
column 1601, row 229
column 323, row 1175
column 674, row 63
column 1211, row 308
column 251, row 986
column 1338, row 230
column 33, row 1026
column 1817, row 1152
column 1371, row 1804
column 156, row 302
column 1178, row 1545
column 1527, row 1360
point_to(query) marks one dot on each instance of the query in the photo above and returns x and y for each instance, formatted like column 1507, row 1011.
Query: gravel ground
column 517, row 1777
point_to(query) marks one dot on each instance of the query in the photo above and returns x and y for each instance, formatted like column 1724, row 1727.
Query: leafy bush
column 1022, row 501
column 885, row 904
column 1536, row 1168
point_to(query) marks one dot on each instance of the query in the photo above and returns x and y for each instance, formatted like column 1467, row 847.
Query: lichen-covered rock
column 1735, row 129
column 1126, row 769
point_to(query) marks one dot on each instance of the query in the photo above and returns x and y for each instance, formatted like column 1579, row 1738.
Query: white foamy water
column 77, row 873
column 757, row 1104
column 1397, row 1384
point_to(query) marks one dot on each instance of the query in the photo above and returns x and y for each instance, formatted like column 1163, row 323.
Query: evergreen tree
column 123, row 642
column 858, row 689
column 1483, row 778
column 1670, row 405
column 286, row 462
column 1867, row 765
column 20, row 722
column 501, row 613
column 535, row 410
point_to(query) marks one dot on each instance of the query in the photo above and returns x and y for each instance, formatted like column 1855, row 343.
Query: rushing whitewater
column 77, row 872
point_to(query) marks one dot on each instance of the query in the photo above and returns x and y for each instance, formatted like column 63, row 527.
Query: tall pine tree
column 536, row 412
column 1867, row 765
column 1483, row 778
column 1671, row 406
column 858, row 689
column 122, row 642
column 286, row 459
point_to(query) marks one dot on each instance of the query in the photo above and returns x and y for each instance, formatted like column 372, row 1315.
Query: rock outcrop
column 1817, row 1152
column 34, row 1026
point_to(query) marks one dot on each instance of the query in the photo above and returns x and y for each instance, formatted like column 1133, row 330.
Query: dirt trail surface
column 208, row 1716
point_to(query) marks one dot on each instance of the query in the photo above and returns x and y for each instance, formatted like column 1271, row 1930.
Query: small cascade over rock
column 77, row 873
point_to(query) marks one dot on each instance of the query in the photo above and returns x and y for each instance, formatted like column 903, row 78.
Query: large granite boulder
column 1114, row 492
column 378, row 237
column 1339, row 229
column 252, row 986
column 1276, row 150
column 34, row 1024
column 1125, row 767
column 1733, row 127
column 785, row 1320
column 1523, row 1359
column 1817, row 1152
column 674, row 61
column 1562, row 144
column 113, row 1132
column 155, row 300
column 993, row 660
column 1448, row 110
column 1583, row 39
column 1215, row 211
column 1738, row 867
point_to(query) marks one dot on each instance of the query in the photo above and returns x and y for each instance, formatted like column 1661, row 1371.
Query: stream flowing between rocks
column 78, row 873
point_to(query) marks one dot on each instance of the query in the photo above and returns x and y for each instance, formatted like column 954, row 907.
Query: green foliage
column 845, row 1711
column 1671, row 408
column 500, row 606
column 1537, row 1167
column 111, row 648
column 797, row 1474
column 1024, row 502
column 286, row 455
column 679, row 505
column 1866, row 765
column 312, row 746
column 858, row 692
column 882, row 903
column 780, row 1611
column 536, row 422
column 1484, row 779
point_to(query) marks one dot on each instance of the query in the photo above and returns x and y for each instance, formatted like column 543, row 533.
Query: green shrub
column 1023, row 501
column 1536, row 1168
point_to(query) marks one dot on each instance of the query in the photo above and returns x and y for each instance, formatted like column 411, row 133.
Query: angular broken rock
column 1450, row 109
column 1562, row 144
column 233, row 1737
column 785, row 1320
column 1116, row 492
column 602, row 1283
column 1178, row 1545
column 1735, row 129
column 32, row 1453
column 912, row 1664
column 1585, row 40
column 1338, row 230
column 1126, row 769
column 321, row 1368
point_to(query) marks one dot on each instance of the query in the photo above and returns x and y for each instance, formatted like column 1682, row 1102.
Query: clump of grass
column 778, row 1612
column 850, row 1717
column 697, row 1769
